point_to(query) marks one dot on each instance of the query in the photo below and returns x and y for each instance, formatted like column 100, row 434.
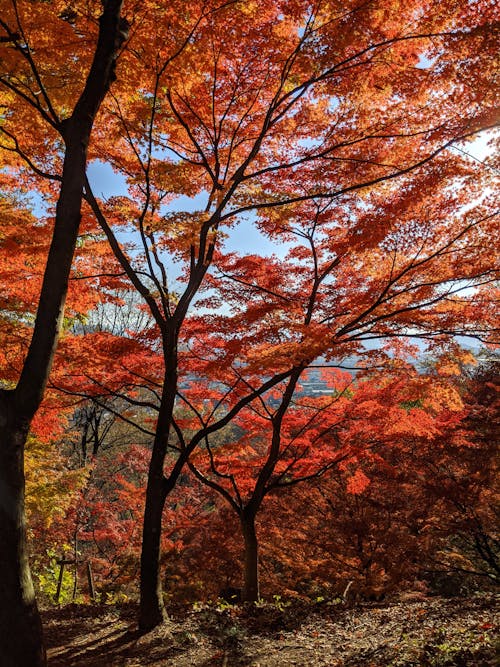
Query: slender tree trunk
column 251, row 558
column 251, row 590
column 21, row 638
column 152, row 609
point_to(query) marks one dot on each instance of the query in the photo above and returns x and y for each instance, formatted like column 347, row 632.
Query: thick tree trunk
column 251, row 559
column 21, row 638
column 20, row 625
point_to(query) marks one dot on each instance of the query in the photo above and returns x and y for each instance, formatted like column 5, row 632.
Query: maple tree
column 37, row 63
column 286, row 442
column 282, row 443
column 293, row 134
column 461, row 474
column 292, row 117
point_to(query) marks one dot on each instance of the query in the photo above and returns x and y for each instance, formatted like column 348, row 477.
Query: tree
column 283, row 442
column 30, row 81
column 460, row 476
column 292, row 440
column 339, row 120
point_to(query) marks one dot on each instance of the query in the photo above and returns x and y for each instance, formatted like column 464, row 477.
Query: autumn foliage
column 282, row 252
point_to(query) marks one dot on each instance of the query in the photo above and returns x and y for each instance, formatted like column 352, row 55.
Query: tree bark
column 251, row 558
column 21, row 636
column 152, row 609
column 22, row 644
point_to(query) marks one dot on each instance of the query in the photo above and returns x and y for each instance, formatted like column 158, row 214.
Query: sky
column 243, row 237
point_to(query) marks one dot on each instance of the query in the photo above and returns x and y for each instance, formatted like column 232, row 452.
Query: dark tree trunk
column 20, row 624
column 251, row 592
column 251, row 558
column 21, row 637
column 152, row 609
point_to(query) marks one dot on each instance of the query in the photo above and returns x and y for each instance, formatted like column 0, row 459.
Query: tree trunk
column 251, row 559
column 152, row 610
column 21, row 638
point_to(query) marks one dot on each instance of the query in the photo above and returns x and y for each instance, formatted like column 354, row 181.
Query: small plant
column 223, row 605
column 47, row 579
column 186, row 638
column 200, row 606
column 445, row 653
column 279, row 603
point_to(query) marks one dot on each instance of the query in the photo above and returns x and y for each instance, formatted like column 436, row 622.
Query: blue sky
column 244, row 237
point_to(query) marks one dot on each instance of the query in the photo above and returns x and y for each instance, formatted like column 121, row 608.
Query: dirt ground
column 432, row 632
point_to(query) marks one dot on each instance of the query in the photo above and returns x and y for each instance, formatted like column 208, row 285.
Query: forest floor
column 430, row 632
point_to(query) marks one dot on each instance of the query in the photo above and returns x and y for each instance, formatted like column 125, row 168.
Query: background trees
column 384, row 518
